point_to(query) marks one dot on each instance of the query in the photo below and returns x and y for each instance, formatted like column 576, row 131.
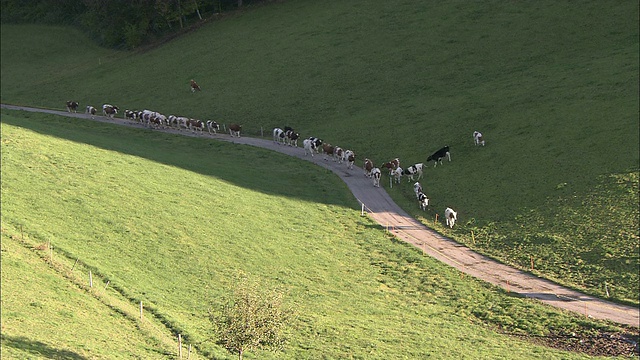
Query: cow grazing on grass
column 412, row 170
column 451, row 217
column 367, row 167
column 279, row 136
column 234, row 130
column 212, row 127
column 392, row 165
column 417, row 188
column 349, row 158
column 439, row 155
column 91, row 110
column 109, row 110
column 423, row 201
column 478, row 139
column 376, row 174
column 291, row 137
column 72, row 106
column 194, row 86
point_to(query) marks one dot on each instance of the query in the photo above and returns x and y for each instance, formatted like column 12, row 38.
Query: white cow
column 417, row 188
column 478, row 139
column 308, row 146
column 451, row 217
column 376, row 174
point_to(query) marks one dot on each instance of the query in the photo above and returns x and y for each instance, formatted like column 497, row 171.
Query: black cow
column 439, row 155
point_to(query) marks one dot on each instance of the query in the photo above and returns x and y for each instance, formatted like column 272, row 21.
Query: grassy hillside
column 170, row 220
column 553, row 86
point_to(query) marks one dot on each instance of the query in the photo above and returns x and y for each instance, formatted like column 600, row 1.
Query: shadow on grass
column 249, row 167
column 37, row 348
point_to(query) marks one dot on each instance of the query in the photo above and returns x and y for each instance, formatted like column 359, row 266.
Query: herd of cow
column 314, row 145
column 287, row 136
column 156, row 120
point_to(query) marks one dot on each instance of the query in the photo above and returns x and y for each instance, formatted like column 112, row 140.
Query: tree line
column 123, row 24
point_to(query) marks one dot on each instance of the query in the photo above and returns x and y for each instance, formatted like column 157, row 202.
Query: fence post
column 180, row 346
column 90, row 279
column 140, row 309
column 362, row 210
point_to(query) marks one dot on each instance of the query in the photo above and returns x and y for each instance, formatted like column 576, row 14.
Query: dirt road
column 384, row 211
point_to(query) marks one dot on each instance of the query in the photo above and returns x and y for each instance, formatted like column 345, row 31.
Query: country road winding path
column 387, row 213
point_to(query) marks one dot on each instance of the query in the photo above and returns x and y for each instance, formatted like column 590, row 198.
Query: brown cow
column 109, row 110
column 392, row 165
column 367, row 167
column 234, row 130
column 194, row 86
column 328, row 150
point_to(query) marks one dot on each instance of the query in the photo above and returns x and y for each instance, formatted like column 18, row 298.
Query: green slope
column 169, row 221
column 553, row 86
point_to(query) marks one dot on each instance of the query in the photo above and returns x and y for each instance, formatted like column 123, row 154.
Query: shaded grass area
column 170, row 237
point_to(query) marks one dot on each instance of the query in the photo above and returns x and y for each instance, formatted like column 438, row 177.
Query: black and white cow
column 292, row 137
column 212, row 127
column 131, row 115
column 423, row 201
column 316, row 144
column 439, row 155
column 72, row 106
column 279, row 136
column 412, row 170
column 376, row 174
column 91, row 110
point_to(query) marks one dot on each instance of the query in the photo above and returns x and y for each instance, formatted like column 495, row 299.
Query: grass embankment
column 553, row 86
column 169, row 220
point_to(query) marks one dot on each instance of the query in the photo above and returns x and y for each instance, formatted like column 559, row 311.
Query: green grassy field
column 158, row 217
column 553, row 86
